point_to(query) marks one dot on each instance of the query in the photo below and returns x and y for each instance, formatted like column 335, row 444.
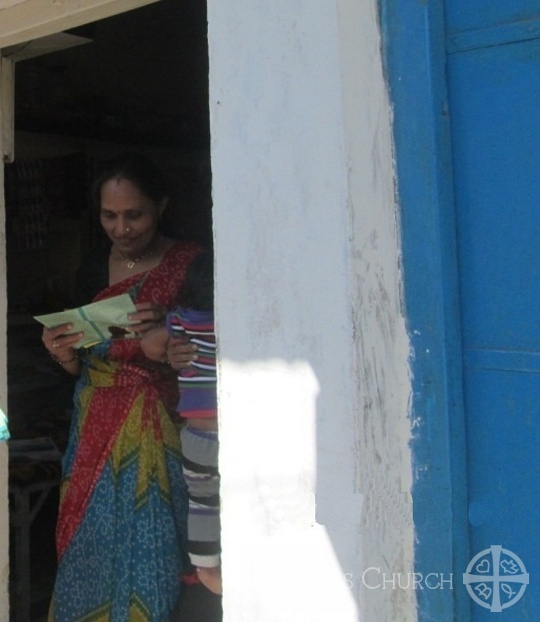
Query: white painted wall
column 314, row 384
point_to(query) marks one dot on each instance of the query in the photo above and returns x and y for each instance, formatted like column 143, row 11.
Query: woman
column 121, row 525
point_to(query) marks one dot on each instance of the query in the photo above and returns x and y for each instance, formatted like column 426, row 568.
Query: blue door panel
column 504, row 475
column 503, row 499
column 468, row 14
column 495, row 98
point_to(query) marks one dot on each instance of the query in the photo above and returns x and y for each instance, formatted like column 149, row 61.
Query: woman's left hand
column 149, row 315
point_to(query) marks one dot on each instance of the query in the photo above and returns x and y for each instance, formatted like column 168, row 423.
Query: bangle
column 57, row 360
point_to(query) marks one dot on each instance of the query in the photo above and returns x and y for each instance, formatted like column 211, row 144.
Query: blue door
column 493, row 81
column 465, row 85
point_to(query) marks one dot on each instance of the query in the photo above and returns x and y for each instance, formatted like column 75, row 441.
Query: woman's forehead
column 120, row 190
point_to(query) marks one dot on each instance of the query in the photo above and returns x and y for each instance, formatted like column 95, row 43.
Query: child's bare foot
column 211, row 579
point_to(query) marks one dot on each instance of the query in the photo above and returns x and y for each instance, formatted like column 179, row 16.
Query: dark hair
column 139, row 170
column 198, row 290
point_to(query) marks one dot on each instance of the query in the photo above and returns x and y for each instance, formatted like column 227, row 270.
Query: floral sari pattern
column 123, row 503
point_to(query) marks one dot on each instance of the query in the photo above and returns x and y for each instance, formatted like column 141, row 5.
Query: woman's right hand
column 60, row 345
column 180, row 353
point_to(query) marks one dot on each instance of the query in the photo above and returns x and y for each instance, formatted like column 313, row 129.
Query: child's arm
column 154, row 343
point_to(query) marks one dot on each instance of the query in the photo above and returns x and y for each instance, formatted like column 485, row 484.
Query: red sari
column 122, row 520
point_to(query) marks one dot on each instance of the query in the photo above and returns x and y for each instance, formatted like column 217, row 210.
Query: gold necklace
column 131, row 262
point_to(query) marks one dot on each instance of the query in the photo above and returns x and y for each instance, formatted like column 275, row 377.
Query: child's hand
column 211, row 579
column 180, row 352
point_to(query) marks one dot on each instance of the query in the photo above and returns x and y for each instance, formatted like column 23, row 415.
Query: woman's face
column 129, row 218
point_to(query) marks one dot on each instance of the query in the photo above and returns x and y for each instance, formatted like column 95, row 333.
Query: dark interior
column 139, row 84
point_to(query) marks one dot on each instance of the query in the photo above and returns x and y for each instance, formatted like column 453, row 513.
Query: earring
column 128, row 229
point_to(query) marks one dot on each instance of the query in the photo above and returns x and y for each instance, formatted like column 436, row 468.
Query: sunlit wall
column 314, row 384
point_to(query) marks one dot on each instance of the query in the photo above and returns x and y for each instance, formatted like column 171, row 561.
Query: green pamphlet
column 106, row 319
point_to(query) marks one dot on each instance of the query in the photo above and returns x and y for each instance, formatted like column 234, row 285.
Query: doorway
column 135, row 82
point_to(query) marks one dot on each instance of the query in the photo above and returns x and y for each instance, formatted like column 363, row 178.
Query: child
column 197, row 406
